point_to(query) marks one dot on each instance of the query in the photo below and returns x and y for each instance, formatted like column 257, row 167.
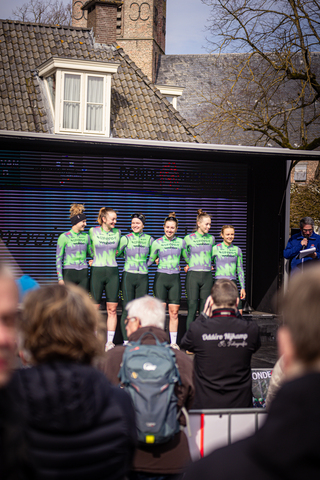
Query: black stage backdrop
column 37, row 189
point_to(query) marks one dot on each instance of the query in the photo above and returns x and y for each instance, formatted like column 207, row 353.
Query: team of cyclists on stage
column 104, row 244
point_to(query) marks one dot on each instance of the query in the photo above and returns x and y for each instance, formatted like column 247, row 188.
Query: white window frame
column 62, row 66
column 171, row 91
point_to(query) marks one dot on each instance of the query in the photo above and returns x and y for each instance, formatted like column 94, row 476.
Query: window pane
column 71, row 115
column 94, row 120
column 95, row 90
column 71, row 103
column 94, row 117
column 72, row 87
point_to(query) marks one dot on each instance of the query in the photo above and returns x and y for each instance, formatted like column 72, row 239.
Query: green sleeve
column 61, row 244
column 240, row 271
column 122, row 246
column 90, row 249
column 214, row 252
column 185, row 251
column 153, row 253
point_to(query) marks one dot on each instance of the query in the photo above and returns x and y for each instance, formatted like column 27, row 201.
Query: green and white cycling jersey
column 228, row 262
column 169, row 253
column 104, row 246
column 198, row 251
column 72, row 251
column 136, row 248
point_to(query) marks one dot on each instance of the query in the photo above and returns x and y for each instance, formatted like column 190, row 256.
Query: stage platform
column 267, row 354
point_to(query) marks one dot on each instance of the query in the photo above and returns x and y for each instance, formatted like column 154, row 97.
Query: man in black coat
column 223, row 345
column 287, row 447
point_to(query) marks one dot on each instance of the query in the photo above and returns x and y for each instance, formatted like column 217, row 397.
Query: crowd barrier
column 212, row 429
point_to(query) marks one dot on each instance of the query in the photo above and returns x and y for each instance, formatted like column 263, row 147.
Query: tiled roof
column 205, row 74
column 138, row 109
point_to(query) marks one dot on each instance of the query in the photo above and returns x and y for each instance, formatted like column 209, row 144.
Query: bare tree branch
column 54, row 12
column 274, row 87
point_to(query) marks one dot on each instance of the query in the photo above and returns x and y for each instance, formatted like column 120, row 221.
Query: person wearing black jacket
column 287, row 446
column 14, row 461
column 223, row 345
column 79, row 426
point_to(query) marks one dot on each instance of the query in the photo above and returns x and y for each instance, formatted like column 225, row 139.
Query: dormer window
column 79, row 93
column 171, row 93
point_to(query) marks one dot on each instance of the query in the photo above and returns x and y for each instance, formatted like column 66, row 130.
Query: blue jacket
column 291, row 252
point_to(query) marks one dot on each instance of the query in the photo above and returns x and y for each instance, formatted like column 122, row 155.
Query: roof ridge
column 47, row 25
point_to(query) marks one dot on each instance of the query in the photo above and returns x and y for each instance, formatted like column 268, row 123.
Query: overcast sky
column 186, row 20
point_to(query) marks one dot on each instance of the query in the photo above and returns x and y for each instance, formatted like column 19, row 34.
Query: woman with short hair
column 228, row 261
column 78, row 425
column 72, row 250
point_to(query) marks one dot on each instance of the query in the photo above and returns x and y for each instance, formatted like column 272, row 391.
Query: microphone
column 304, row 247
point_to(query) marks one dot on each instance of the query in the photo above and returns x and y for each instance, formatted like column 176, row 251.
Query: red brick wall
column 142, row 34
column 103, row 20
column 311, row 170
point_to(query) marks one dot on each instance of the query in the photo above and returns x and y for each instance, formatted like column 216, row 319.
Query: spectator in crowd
column 305, row 239
column 14, row 464
column 288, row 444
column 277, row 379
column 223, row 345
column 79, row 425
column 155, row 461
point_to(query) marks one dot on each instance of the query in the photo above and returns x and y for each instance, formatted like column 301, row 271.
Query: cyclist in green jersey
column 199, row 278
column 228, row 261
column 135, row 279
column 167, row 284
column 72, row 250
column 105, row 241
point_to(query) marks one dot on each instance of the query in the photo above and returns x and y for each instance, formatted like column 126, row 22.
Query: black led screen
column 37, row 189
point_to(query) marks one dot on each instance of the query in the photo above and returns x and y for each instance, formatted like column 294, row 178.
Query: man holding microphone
column 305, row 239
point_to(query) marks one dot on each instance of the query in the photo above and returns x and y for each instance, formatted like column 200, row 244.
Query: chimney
column 102, row 18
column 138, row 27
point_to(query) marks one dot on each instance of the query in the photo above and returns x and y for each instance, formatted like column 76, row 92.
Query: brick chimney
column 102, row 18
column 138, row 26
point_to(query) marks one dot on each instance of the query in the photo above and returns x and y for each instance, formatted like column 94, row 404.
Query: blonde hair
column 103, row 213
column 76, row 209
column 171, row 218
column 60, row 321
column 200, row 216
column 224, row 227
